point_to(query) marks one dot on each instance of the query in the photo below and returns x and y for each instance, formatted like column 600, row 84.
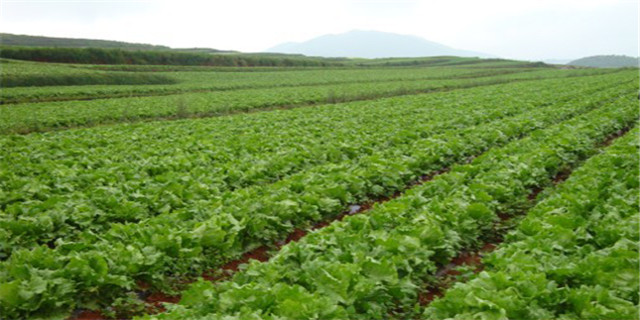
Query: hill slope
column 372, row 44
column 160, row 57
column 7, row 39
column 90, row 51
column 606, row 61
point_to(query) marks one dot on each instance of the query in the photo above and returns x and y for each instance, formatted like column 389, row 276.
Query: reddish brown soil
column 562, row 176
column 154, row 302
column 616, row 135
column 534, row 193
column 425, row 298
column 214, row 275
column 504, row 216
column 89, row 315
column 447, row 273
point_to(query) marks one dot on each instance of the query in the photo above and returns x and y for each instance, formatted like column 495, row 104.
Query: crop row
column 575, row 255
column 102, row 78
column 83, row 180
column 25, row 118
column 223, row 81
column 186, row 241
column 48, row 116
column 25, row 74
column 368, row 266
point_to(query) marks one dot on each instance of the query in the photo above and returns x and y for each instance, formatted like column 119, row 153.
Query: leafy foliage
column 87, row 215
column 366, row 266
column 91, row 197
column 575, row 256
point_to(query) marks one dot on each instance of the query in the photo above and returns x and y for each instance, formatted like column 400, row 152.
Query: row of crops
column 24, row 118
column 30, row 74
column 92, row 217
column 24, row 75
column 288, row 80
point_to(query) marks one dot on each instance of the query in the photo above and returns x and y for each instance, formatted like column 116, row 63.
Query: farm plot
column 90, row 218
column 82, row 83
column 58, row 195
column 372, row 265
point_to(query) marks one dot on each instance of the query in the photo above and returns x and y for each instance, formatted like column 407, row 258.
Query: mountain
column 372, row 44
column 606, row 61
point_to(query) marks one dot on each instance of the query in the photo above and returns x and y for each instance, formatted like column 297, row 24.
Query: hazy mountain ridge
column 606, row 61
column 372, row 44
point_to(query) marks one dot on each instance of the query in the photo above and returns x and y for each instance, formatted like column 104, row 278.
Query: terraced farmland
column 373, row 191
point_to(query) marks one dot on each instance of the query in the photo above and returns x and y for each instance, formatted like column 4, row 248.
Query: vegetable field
column 438, row 188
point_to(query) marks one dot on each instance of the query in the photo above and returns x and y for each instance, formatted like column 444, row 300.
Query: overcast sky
column 520, row 29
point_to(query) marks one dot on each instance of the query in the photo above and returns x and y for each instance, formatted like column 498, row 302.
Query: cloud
column 80, row 12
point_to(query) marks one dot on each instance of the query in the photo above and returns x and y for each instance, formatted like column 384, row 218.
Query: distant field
column 413, row 188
